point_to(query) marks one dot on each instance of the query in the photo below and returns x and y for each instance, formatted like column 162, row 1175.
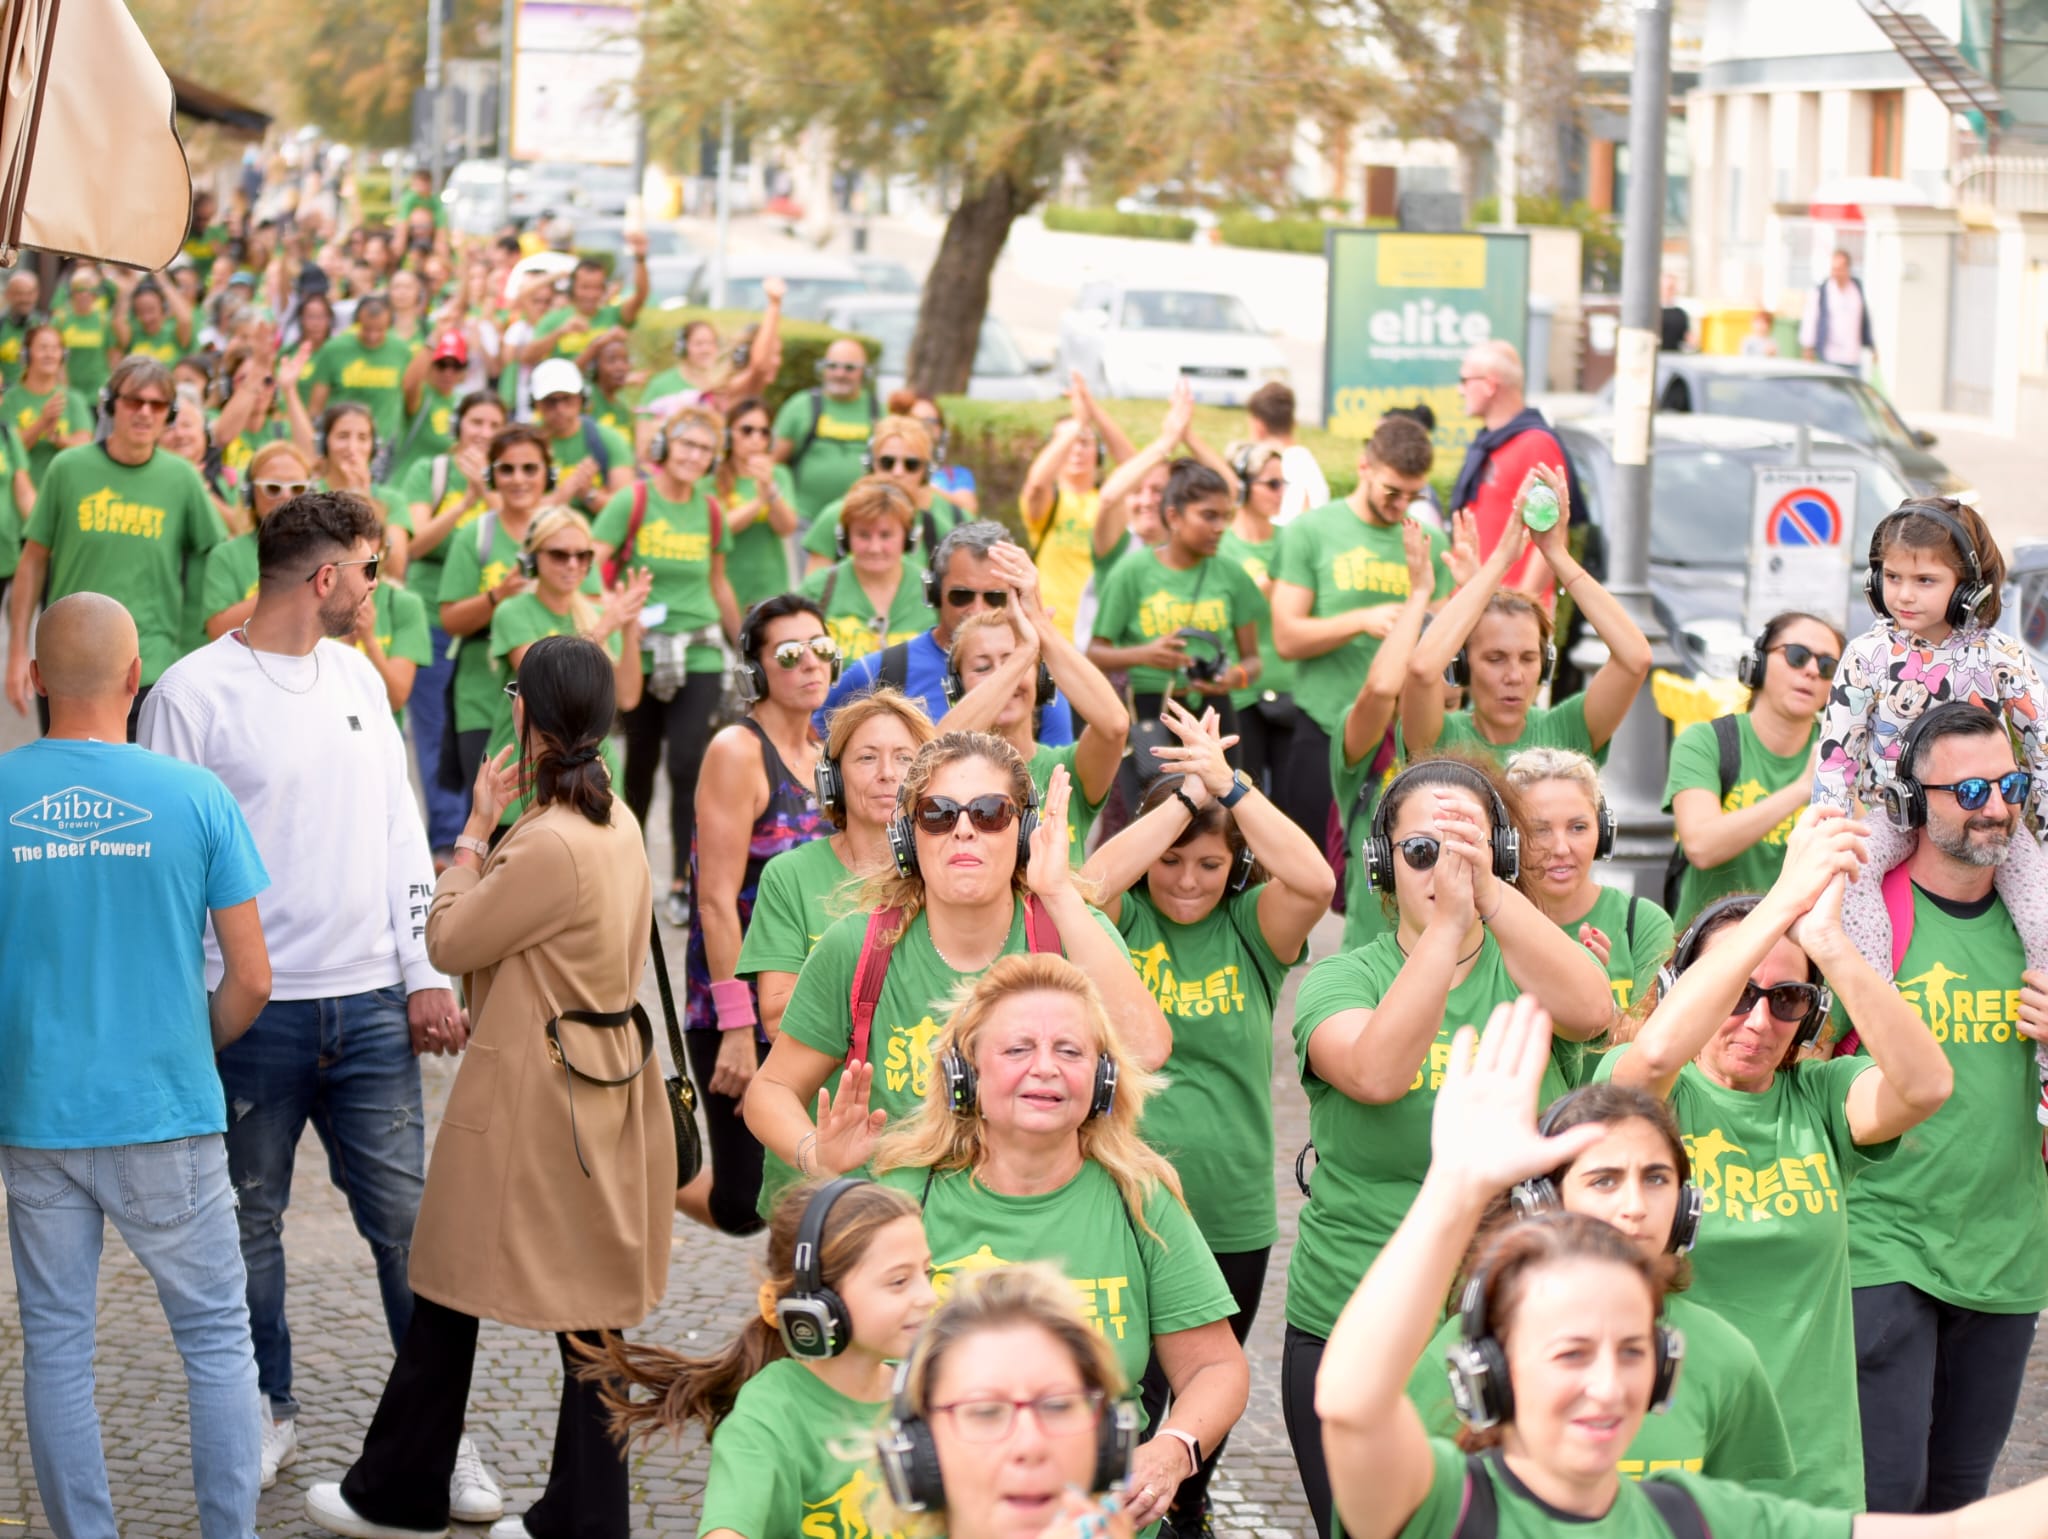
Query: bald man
column 1513, row 439
column 110, row 1106
column 822, row 434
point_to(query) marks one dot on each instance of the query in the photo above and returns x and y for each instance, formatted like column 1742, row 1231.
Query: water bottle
column 1539, row 509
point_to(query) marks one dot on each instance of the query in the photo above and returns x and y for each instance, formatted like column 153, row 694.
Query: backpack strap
column 717, row 512
column 1680, row 1513
column 816, row 396
column 869, row 974
column 486, row 536
column 1897, row 888
column 1479, row 1510
column 437, row 484
column 1040, row 933
column 622, row 558
column 831, row 587
column 1628, row 926
column 1728, row 739
column 593, row 445
column 894, row 667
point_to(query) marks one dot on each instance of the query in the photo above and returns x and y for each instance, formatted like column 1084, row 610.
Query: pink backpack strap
column 1040, row 933
column 868, row 976
column 1898, row 906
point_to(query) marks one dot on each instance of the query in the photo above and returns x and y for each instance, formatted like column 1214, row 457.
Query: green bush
column 1600, row 249
column 1110, row 221
column 803, row 345
column 1288, row 232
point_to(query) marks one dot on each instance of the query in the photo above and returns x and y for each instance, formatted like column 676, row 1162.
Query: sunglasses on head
column 1797, row 656
column 989, row 814
column 1420, row 852
column 788, row 654
column 908, row 463
column 283, row 488
column 1789, row 1001
column 960, row 598
column 1974, row 792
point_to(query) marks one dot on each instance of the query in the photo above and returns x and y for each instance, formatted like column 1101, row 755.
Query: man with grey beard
column 1948, row 1239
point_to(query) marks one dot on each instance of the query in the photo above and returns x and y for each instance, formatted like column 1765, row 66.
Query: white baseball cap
column 557, row 376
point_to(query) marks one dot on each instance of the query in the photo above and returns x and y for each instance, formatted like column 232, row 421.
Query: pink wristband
column 732, row 1002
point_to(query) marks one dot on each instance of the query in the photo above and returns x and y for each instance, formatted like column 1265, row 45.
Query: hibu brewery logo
column 78, row 813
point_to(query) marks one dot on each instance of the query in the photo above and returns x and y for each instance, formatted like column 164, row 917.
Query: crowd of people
column 994, row 835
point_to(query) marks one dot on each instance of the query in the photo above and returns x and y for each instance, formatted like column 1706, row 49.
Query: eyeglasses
column 518, row 468
column 1274, row 485
column 843, row 368
column 1474, row 379
column 1789, row 1001
column 571, row 557
column 1064, row 1413
column 1420, row 852
column 789, row 653
column 960, row 598
column 369, row 564
column 144, row 402
column 283, row 488
column 910, row 464
column 1974, row 792
column 989, row 814
column 696, row 446
column 1797, row 656
column 753, row 430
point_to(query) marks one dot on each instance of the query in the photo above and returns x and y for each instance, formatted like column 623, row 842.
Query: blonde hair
column 1534, row 765
column 861, row 710
column 1246, row 460
column 919, row 436
column 695, row 416
column 981, row 620
column 546, row 527
column 874, row 497
column 936, row 1138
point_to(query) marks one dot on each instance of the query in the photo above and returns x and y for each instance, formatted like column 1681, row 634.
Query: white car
column 1001, row 371
column 1132, row 341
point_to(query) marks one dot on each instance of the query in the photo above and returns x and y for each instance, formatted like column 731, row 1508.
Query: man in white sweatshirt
column 295, row 721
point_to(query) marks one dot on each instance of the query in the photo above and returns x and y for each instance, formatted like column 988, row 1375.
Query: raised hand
column 496, row 788
column 1553, row 538
column 1200, row 755
column 1595, row 940
column 1463, row 556
column 1482, row 1134
column 773, row 288
column 847, row 1130
column 1415, row 550
column 1048, row 872
column 1824, row 843
column 1180, row 413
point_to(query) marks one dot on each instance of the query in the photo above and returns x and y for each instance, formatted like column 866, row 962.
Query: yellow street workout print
column 1161, row 614
column 1777, row 1189
column 1105, row 1301
column 907, row 1059
column 1748, row 793
column 1360, row 571
column 1220, row 993
column 843, row 1514
column 105, row 513
column 1961, row 1016
column 659, row 540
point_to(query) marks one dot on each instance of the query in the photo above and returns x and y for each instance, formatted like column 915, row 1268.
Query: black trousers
column 683, row 725
column 1244, row 1273
column 1302, row 780
column 1300, row 1356
column 1938, row 1386
column 469, row 753
column 734, row 1152
column 134, row 711
column 401, row 1476
column 1272, row 740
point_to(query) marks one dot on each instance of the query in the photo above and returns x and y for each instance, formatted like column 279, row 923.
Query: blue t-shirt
column 924, row 680
column 113, row 856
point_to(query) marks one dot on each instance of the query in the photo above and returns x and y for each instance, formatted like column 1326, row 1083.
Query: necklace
column 932, row 931
column 1468, row 956
column 257, row 658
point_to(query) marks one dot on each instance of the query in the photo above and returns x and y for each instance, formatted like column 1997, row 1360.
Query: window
column 1887, row 122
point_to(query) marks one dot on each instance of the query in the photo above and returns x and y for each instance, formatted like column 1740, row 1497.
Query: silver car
column 1133, row 341
column 1001, row 371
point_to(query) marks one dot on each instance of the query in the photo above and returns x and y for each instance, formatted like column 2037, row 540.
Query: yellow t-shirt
column 1064, row 546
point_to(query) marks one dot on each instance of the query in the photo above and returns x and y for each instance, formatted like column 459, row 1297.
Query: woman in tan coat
column 548, row 1199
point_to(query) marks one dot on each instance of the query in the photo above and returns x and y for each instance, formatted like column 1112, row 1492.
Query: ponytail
column 565, row 685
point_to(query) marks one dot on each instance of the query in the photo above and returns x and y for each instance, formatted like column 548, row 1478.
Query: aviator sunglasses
column 989, row 814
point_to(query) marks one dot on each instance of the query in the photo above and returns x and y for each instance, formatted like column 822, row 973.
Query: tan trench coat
column 510, row 1228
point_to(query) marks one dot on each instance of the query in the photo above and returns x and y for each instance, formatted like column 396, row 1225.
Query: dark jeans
column 134, row 711
column 1244, row 1273
column 735, row 1154
column 684, row 725
column 401, row 1477
column 1300, row 1356
column 447, row 811
column 469, row 754
column 1938, row 1387
column 1302, row 780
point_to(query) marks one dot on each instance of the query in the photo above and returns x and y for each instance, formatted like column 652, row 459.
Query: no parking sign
column 1799, row 554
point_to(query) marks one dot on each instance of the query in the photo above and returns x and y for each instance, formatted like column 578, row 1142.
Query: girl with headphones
column 847, row 1288
column 1372, row 1028
column 1563, row 1350
column 1570, row 830
column 1777, row 1137
column 48, row 414
column 760, row 505
column 873, row 596
column 1935, row 578
column 257, row 396
column 344, row 448
column 900, row 451
column 956, row 481
column 756, row 798
column 1500, row 646
column 980, row 871
column 1723, row 1421
column 1215, row 891
column 1026, row 1148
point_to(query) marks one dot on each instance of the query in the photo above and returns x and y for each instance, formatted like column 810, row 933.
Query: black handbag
column 682, row 1095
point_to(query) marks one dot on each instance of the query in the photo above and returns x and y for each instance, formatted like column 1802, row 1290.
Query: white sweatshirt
column 321, row 779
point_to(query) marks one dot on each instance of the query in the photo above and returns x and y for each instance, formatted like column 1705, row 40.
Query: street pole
column 1508, row 180
column 434, row 96
column 1634, row 779
column 505, row 24
column 722, row 204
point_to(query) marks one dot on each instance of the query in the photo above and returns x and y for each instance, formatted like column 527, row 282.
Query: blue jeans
column 447, row 811
column 347, row 1064
column 173, row 1205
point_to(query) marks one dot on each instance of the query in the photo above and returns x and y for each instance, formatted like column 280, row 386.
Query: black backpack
column 1481, row 1517
column 1728, row 739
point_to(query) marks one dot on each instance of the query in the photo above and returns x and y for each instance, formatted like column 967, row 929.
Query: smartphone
column 651, row 616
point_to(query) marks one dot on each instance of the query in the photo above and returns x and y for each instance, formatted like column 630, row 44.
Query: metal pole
column 1508, row 174
column 505, row 25
column 722, row 204
column 434, row 135
column 1635, row 773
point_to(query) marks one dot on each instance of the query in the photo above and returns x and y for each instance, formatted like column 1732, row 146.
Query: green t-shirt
column 850, row 617
column 12, row 334
column 1728, row 1508
column 609, row 411
column 88, row 341
column 401, row 629
column 674, row 543
column 1347, row 564
column 1276, row 673
column 520, row 621
column 941, row 519
column 1696, row 763
column 236, row 453
column 416, row 491
column 478, row 690
column 1773, row 1253
column 575, row 449
column 668, row 382
column 411, row 200
column 833, row 461
column 431, row 432
column 127, row 531
column 1132, row 1287
column 1962, row 1212
column 231, row 576
column 1217, row 982
column 161, row 344
column 758, row 563
column 1146, row 599
column 582, row 332
column 1562, row 725
column 1632, row 961
column 1081, row 812
column 773, row 1473
column 912, row 1006
column 373, row 376
column 19, row 409
column 1365, row 912
column 12, row 458
column 1723, row 1421
column 1370, row 1160
column 798, row 896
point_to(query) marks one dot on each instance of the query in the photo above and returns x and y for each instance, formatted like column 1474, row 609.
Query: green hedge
column 803, row 344
column 1288, row 232
column 1110, row 221
column 1600, row 242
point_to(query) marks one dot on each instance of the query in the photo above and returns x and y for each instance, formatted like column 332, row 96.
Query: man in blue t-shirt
column 110, row 1106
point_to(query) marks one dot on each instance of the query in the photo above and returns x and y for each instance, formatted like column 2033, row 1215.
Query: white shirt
column 1845, row 323
column 1306, row 488
column 321, row 779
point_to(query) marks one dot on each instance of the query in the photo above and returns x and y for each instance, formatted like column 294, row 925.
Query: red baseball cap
column 449, row 344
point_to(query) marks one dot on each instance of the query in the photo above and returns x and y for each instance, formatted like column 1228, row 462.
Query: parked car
column 671, row 260
column 1701, row 495
column 1792, row 391
column 812, row 282
column 883, row 276
column 1130, row 340
column 2025, row 613
column 1001, row 371
column 476, row 192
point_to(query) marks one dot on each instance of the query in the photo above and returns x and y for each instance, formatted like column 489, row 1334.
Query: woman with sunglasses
column 760, row 505
column 955, row 481
column 957, row 897
column 1733, row 830
column 1266, row 713
column 765, row 767
column 1372, row 1028
column 873, row 597
column 900, row 450
column 682, row 655
column 1778, row 1137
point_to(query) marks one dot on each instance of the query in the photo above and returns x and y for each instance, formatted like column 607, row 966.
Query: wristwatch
column 1194, row 1447
column 1236, row 793
column 476, row 847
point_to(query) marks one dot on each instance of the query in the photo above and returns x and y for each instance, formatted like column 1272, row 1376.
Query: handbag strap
column 668, row 997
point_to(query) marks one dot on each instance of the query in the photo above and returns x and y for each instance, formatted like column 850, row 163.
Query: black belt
column 570, row 1073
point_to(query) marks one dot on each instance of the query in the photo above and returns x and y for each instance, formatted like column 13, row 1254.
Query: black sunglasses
column 369, row 565
column 960, row 598
column 1789, row 1001
column 789, row 653
column 1797, row 656
column 910, row 464
column 1273, row 485
column 512, row 689
column 989, row 814
column 1420, row 852
column 1974, row 792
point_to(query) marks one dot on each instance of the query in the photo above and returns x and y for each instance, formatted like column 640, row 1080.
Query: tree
column 995, row 96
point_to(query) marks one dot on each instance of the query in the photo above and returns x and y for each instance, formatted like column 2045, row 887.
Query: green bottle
column 1539, row 508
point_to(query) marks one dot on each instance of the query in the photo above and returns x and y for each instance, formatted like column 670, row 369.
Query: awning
column 207, row 105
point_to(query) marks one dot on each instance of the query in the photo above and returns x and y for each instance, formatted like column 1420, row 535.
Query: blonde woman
column 276, row 473
column 899, row 450
column 873, row 595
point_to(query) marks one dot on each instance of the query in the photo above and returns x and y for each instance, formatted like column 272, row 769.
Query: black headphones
column 955, row 686
column 1478, row 1365
column 1967, row 597
column 903, row 834
column 490, row 467
column 340, row 409
column 1905, row 798
column 910, row 1458
column 752, row 678
column 1506, row 840
column 963, row 1085
column 105, row 424
column 1539, row 1194
column 842, row 538
column 813, row 1319
column 830, row 787
column 1459, row 669
column 1687, row 949
column 1749, row 668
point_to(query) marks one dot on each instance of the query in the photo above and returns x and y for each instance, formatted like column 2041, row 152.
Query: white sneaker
column 473, row 1494
column 513, row 1527
column 280, row 1448
column 328, row 1508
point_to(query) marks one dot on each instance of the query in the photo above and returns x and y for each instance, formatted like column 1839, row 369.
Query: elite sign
column 1798, row 543
column 1403, row 310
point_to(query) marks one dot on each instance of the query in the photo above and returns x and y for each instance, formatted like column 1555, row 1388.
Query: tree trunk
column 956, row 292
